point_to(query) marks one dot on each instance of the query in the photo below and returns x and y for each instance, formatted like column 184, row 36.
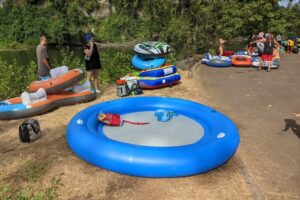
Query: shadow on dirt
column 292, row 124
column 6, row 125
column 42, row 154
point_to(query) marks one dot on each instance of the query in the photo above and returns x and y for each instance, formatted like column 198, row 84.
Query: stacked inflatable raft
column 150, row 55
column 42, row 96
column 156, row 78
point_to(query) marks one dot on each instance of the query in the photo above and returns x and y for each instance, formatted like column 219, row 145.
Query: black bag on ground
column 29, row 130
column 135, row 89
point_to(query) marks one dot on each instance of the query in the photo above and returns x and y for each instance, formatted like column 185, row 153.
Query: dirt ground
column 262, row 105
column 49, row 165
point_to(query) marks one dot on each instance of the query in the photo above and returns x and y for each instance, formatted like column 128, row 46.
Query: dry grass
column 34, row 165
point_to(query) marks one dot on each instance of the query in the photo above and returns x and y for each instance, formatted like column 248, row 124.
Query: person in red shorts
column 267, row 55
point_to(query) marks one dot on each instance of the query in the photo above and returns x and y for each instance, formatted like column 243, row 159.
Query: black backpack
column 135, row 89
column 29, row 130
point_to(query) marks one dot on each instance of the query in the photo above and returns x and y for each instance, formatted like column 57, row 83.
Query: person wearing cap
column 92, row 61
column 267, row 55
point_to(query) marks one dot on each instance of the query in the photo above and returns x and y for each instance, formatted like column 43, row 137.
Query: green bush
column 15, row 79
column 68, row 59
column 114, row 67
column 116, row 28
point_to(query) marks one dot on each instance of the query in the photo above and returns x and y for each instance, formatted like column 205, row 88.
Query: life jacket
column 115, row 120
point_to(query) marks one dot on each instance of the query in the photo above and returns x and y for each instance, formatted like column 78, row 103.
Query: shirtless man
column 221, row 46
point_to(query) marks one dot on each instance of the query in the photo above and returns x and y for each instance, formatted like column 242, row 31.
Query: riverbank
column 264, row 167
column 52, row 159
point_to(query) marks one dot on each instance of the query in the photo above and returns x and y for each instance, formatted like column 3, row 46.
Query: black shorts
column 89, row 66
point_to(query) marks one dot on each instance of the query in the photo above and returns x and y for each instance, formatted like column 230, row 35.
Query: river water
column 24, row 57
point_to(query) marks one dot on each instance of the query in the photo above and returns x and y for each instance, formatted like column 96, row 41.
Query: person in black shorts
column 92, row 61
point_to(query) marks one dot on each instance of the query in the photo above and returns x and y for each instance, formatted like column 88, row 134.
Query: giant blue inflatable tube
column 146, row 62
column 86, row 138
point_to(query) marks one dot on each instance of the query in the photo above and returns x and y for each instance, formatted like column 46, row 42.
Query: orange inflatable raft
column 59, row 83
column 15, row 108
column 241, row 61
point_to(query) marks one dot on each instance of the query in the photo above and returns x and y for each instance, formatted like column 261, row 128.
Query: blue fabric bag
column 164, row 115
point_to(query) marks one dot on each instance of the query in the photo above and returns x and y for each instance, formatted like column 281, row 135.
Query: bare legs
column 221, row 50
column 92, row 76
column 96, row 80
column 89, row 75
column 260, row 64
column 266, row 58
column 269, row 65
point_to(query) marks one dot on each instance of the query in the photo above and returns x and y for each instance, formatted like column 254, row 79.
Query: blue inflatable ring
column 219, row 63
column 220, row 141
column 143, row 62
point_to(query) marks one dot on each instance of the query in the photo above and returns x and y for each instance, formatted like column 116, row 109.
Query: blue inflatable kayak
column 15, row 108
column 158, row 72
column 198, row 139
column 147, row 63
column 216, row 61
column 158, row 82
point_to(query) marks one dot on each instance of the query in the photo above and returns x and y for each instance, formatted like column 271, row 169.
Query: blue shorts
column 44, row 78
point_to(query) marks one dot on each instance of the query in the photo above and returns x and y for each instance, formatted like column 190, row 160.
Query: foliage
column 189, row 25
column 15, row 79
column 116, row 28
column 61, row 21
column 186, row 25
column 68, row 59
column 114, row 68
